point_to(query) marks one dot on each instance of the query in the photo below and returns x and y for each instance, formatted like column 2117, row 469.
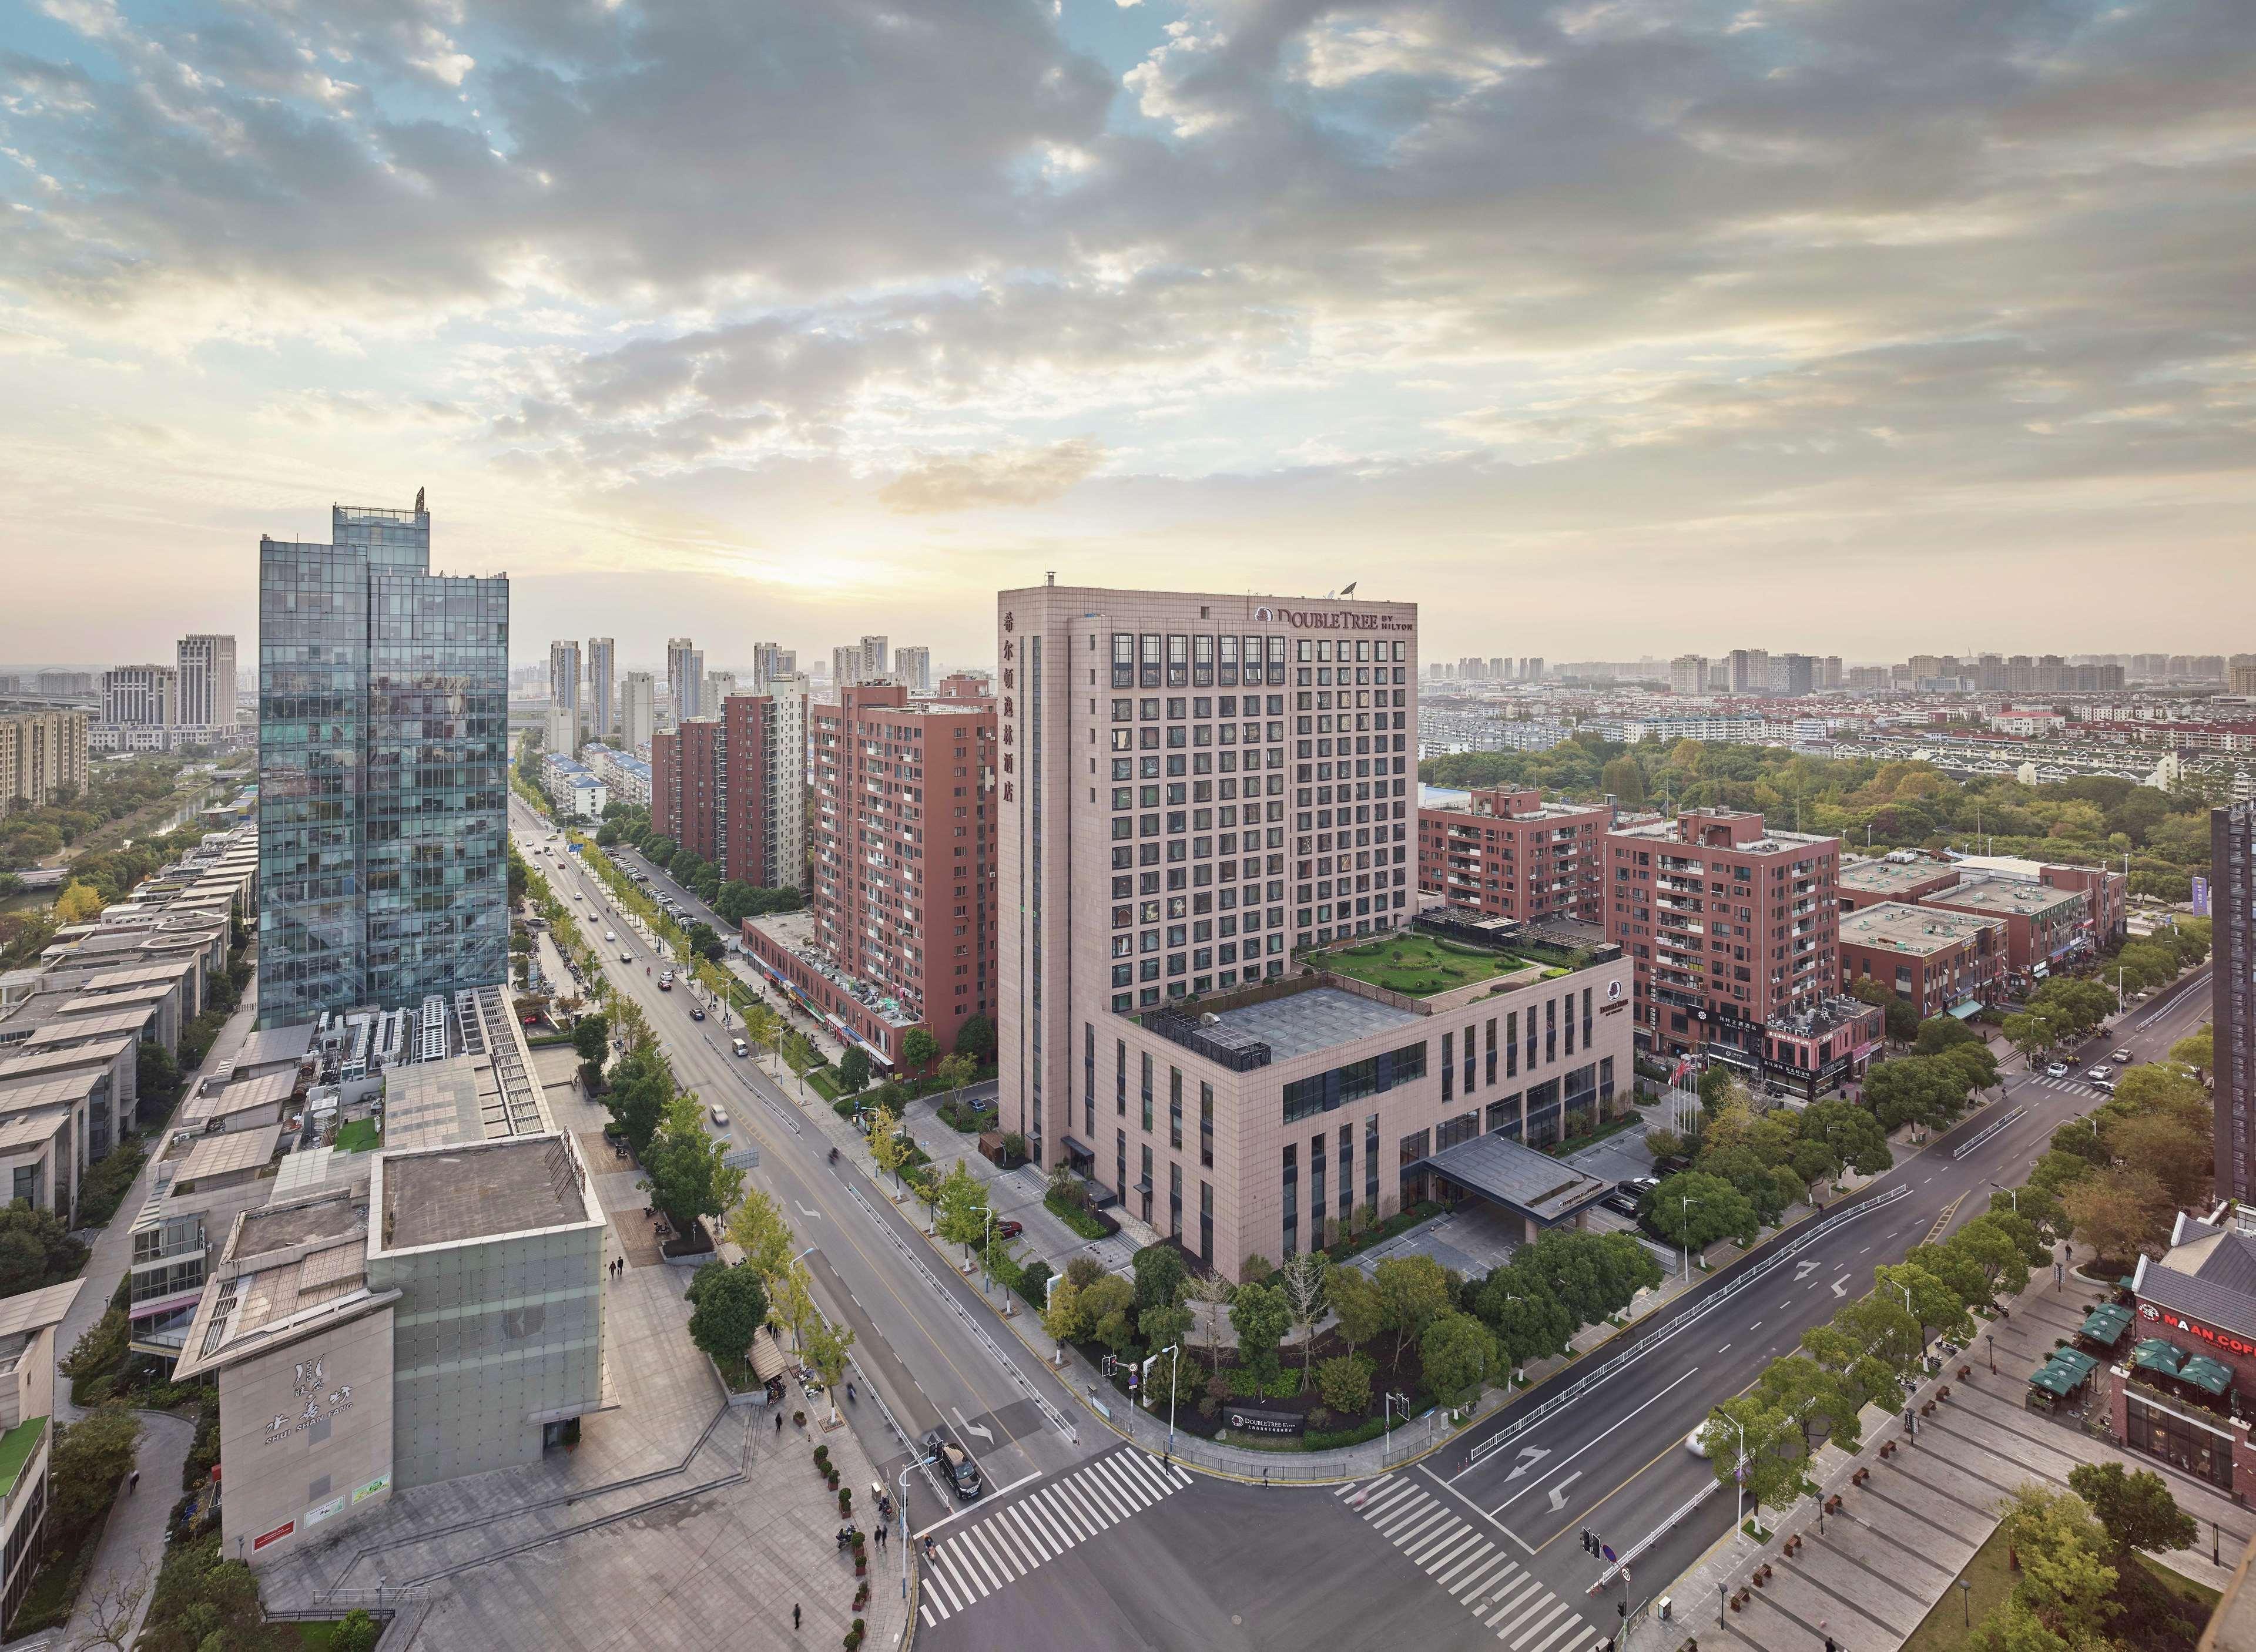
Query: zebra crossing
column 964, row 1569
column 1507, row 1599
column 2066, row 1087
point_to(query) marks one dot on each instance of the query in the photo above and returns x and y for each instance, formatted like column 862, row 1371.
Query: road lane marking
column 1586, row 1446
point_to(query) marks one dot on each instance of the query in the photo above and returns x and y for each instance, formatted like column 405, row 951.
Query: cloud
column 1026, row 476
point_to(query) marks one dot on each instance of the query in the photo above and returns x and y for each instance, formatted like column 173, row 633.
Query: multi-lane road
column 1080, row 1539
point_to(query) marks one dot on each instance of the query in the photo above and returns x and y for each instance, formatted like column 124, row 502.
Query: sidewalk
column 1867, row 1575
column 132, row 1544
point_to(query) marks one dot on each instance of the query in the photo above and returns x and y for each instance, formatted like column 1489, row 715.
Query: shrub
column 1282, row 1386
column 1223, row 1385
column 1208, row 1405
column 1345, row 1382
column 355, row 1632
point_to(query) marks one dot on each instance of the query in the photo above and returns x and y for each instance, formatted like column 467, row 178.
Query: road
column 1083, row 1540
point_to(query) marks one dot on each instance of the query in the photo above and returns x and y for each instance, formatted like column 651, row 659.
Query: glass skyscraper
column 384, row 784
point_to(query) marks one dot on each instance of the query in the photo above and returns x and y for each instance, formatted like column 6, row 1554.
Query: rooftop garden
column 16, row 1448
column 358, row 1136
column 1418, row 965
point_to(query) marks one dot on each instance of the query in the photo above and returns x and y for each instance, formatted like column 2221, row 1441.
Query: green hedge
column 108, row 1181
column 1088, row 1224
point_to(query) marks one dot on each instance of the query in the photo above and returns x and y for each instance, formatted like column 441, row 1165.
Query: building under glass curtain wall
column 383, row 785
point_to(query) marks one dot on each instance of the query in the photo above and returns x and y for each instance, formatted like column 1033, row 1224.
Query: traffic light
column 1621, row 1610
column 1590, row 1541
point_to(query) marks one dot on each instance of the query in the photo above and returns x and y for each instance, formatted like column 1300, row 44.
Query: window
column 1469, row 1060
column 1206, row 1125
column 1175, row 1202
column 1321, row 1091
column 1120, row 1074
column 1088, row 1078
column 1448, row 1066
column 1206, row 1210
column 1175, row 1107
column 1491, row 1050
column 1413, row 1151
column 1370, row 1160
column 1511, row 1045
column 1147, row 1091
column 1346, row 1173
column 1317, row 1236
column 1463, row 1127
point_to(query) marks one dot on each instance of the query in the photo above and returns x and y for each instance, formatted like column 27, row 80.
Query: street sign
column 1607, row 1550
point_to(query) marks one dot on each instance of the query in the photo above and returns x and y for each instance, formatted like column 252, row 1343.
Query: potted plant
column 845, row 1499
column 861, row 1597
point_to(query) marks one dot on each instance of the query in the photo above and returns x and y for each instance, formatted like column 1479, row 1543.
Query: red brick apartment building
column 1936, row 959
column 730, row 788
column 900, row 932
column 1505, row 853
column 1731, row 926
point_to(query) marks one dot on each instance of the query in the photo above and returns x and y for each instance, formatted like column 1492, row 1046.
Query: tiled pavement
column 1502, row 1598
column 981, row 1560
column 1872, row 1572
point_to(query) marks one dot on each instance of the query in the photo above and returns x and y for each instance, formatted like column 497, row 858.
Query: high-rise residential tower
column 383, row 768
column 731, row 788
column 876, row 660
column 1687, row 674
column 564, row 681
column 912, row 669
column 845, row 665
column 206, row 667
column 717, row 686
column 2232, row 995
column 685, row 677
column 637, row 710
column 41, row 753
column 772, row 662
column 602, row 702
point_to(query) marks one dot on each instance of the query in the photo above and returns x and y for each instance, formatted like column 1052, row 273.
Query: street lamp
column 2013, row 1193
column 905, row 1472
column 1684, row 1234
column 1174, row 1350
column 1394, row 1403
column 1740, row 1469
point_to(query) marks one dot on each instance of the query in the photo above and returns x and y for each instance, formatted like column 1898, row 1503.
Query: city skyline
column 1840, row 295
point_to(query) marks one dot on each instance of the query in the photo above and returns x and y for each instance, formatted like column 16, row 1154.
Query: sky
column 1600, row 329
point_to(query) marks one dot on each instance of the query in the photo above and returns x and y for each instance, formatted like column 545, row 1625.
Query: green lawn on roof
column 16, row 1448
column 1418, row 965
column 357, row 1137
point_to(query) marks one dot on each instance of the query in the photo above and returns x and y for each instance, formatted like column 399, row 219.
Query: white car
column 577, row 895
column 1694, row 1443
column 2058, row 1070
column 720, row 1117
column 2120, row 1058
column 2101, row 1074
column 743, row 1049
column 610, row 935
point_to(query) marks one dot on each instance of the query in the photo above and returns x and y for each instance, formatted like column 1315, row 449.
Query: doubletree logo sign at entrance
column 2225, row 1340
column 1254, row 1422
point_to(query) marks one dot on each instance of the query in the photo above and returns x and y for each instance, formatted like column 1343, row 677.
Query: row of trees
column 662, row 1124
column 1885, row 802
column 1750, row 1165
column 2080, row 1584
column 732, row 902
column 770, row 1286
column 2117, row 1177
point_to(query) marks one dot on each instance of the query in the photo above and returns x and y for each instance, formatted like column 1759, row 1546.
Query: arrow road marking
column 1558, row 1492
column 1841, row 1286
column 811, row 1215
column 1529, row 1457
column 1579, row 1450
column 1803, row 1268
column 986, row 1434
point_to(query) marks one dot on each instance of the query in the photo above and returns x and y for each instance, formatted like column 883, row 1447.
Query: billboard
column 2200, row 897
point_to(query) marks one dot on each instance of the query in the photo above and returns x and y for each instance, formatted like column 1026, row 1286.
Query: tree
column 1822, row 1403
column 1343, row 1382
column 704, row 944
column 1355, row 1304
column 961, row 1207
column 2160, row 1088
column 78, row 903
column 2180, row 1159
column 35, row 1249
column 2135, row 1510
column 640, row 1090
column 888, row 1146
column 1695, row 1208
column 1159, row 1271
column 1108, row 1308
column 355, row 1632
column 688, row 1178
column 853, row 1070
column 1933, row 1303
column 1924, row 1090
column 1956, row 1269
column 1458, row 1355
column 1209, row 1296
column 919, row 1049
column 111, row 1612
column 1899, row 1017
column 728, row 1305
column 1716, row 1086
column 591, row 1037
column 1754, row 1446
column 91, row 1457
column 826, row 1348
column 1164, row 1327
column 1939, row 1033
column 975, row 1039
column 1625, row 782
column 757, row 1227
column 2031, row 1035
column 156, row 1077
column 2115, row 1213
column 1868, row 1345
column 1261, row 1315
column 2197, row 1050
column 2001, row 1254
column 1301, row 1279
column 2065, row 1581
column 1413, row 1291
column 1063, row 1318
column 954, row 1071
column 795, row 1303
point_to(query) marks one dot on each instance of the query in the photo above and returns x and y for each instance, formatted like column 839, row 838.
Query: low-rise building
column 1508, row 853
column 572, row 786
column 1879, row 882
column 2046, row 927
column 2185, row 1369
column 1940, row 961
column 28, row 1323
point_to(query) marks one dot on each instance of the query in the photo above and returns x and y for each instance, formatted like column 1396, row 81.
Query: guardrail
column 1622, row 1362
column 1684, row 1511
column 1985, row 1133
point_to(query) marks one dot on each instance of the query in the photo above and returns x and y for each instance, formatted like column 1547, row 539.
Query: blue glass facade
column 382, row 716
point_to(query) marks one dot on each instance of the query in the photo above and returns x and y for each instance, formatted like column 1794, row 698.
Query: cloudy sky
column 1599, row 328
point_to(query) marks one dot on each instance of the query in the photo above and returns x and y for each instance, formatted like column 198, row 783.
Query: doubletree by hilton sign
column 2225, row 1340
column 1333, row 620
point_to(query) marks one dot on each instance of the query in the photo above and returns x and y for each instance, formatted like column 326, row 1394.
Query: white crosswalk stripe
column 1461, row 1557
column 967, row 1567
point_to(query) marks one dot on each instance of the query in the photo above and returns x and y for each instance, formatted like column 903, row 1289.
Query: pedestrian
column 779, row 1421
column 133, row 1482
column 795, row 1620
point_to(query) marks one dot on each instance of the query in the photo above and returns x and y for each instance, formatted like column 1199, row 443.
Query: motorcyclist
column 834, row 1156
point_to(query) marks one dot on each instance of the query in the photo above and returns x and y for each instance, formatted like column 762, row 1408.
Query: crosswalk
column 981, row 1560
column 2066, row 1086
column 1507, row 1599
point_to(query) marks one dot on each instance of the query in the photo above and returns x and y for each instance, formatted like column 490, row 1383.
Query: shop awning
column 2206, row 1373
column 2157, row 1355
column 1968, row 1010
column 2106, row 1324
column 2071, row 1360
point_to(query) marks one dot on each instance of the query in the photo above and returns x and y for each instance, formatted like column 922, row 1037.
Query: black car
column 963, row 1472
column 696, row 1012
column 1621, row 1205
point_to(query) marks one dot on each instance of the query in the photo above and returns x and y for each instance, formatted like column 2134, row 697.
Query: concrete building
column 1687, row 674
column 1506, row 854
column 560, row 730
column 1731, row 926
column 717, row 686
column 846, row 666
column 564, row 689
column 772, row 662
column 1940, row 962
column 1250, row 799
column 2046, row 927
column 625, row 776
column 685, row 677
column 601, row 703
column 876, row 661
column 42, row 753
column 1750, row 671
column 383, row 758
column 2232, row 995
column 59, row 685
column 637, row 710
column 899, row 930
column 1881, row 880
column 424, row 1309
column 731, row 788
column 28, row 1325
column 572, row 787
column 912, row 669
column 205, row 670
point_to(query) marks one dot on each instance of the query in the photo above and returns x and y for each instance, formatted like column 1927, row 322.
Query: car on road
column 2101, row 1074
column 626, row 957
column 2120, row 1058
column 2057, row 1069
column 1694, row 1444
column 696, row 1012
column 666, row 983
column 610, row 934
column 577, row 895
column 743, row 1049
column 1009, row 1229
column 963, row 1472
column 720, row 1117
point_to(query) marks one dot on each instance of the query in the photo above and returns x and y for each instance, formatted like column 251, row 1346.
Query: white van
column 743, row 1049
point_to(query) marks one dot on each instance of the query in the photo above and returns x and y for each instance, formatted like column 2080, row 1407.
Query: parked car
column 1621, row 1205
column 743, row 1049
column 963, row 1472
column 1009, row 1229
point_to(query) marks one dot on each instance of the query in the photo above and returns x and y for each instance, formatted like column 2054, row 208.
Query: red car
column 1009, row 1229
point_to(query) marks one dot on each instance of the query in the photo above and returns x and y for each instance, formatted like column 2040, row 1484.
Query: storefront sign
column 2175, row 1321
column 321, row 1403
column 382, row 1482
column 316, row 1517
column 274, row 1536
column 1254, row 1422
